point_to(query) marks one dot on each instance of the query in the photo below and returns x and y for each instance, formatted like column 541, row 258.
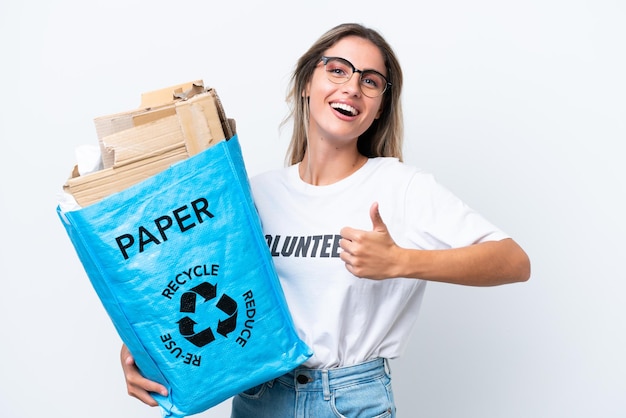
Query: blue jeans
column 360, row 391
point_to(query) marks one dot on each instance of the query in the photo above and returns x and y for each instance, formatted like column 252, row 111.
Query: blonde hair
column 384, row 137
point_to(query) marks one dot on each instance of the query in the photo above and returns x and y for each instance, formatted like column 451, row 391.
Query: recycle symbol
column 189, row 303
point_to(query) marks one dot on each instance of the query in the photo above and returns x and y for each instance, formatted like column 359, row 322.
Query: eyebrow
column 360, row 69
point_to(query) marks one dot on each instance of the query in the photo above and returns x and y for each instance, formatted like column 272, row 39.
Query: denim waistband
column 325, row 380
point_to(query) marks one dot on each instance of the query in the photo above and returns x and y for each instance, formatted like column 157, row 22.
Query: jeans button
column 302, row 379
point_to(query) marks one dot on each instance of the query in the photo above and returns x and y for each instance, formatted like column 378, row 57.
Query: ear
column 307, row 90
column 380, row 111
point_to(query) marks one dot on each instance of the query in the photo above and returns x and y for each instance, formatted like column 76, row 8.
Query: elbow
column 519, row 264
column 524, row 268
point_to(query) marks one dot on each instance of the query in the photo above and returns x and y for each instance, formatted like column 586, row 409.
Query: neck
column 322, row 170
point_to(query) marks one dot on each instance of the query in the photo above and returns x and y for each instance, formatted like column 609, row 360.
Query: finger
column 345, row 245
column 129, row 360
column 144, row 386
column 345, row 256
column 153, row 387
column 144, row 397
column 350, row 268
column 139, row 386
column 348, row 233
column 377, row 220
column 347, row 261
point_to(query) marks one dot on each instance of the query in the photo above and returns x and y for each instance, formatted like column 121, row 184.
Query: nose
column 353, row 86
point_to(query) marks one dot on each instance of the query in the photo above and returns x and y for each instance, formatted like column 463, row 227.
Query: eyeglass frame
column 388, row 84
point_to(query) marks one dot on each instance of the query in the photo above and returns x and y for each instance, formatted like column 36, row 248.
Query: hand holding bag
column 181, row 266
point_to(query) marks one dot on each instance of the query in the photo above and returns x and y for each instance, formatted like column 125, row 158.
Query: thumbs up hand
column 370, row 254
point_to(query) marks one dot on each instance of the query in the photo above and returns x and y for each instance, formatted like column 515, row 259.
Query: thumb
column 377, row 220
column 129, row 360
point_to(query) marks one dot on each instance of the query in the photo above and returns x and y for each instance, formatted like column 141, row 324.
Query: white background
column 518, row 107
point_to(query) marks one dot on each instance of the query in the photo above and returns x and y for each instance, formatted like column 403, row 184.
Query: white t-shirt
column 344, row 319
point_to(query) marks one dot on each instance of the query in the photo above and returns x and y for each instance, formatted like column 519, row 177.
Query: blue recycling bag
column 181, row 266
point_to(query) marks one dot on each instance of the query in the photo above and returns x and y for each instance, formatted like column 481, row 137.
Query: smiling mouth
column 344, row 109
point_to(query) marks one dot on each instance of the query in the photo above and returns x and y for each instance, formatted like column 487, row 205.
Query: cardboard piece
column 171, row 125
column 162, row 103
column 172, row 93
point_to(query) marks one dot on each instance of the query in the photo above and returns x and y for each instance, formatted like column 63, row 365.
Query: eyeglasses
column 340, row 71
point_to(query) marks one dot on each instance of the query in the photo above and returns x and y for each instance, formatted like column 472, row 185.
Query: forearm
column 486, row 264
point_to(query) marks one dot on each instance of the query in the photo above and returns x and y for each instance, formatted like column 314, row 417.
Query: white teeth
column 345, row 108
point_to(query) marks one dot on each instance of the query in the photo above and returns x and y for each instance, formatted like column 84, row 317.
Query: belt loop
column 387, row 367
column 325, row 385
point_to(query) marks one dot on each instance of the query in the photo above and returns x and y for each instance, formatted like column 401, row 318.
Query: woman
column 355, row 234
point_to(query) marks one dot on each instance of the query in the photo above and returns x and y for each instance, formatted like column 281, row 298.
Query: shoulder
column 391, row 169
column 269, row 181
column 415, row 184
column 269, row 175
column 393, row 166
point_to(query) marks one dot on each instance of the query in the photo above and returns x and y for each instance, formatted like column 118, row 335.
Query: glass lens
column 372, row 83
column 339, row 71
